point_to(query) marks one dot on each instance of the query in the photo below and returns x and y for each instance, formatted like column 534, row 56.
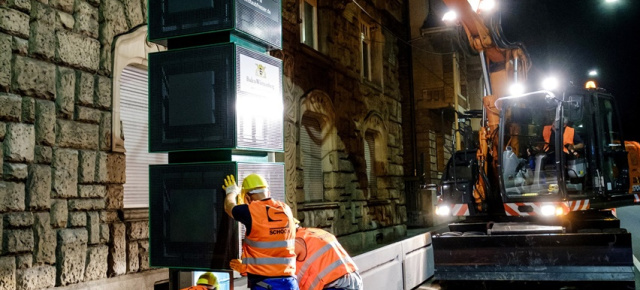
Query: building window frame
column 366, row 42
column 309, row 23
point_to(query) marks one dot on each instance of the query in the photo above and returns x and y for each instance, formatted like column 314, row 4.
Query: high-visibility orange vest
column 567, row 137
column 268, row 250
column 325, row 259
column 197, row 287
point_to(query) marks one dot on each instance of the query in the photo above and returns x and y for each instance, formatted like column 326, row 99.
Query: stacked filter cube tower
column 216, row 108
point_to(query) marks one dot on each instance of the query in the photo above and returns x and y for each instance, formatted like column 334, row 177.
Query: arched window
column 311, row 148
column 370, row 159
column 133, row 114
column 130, row 119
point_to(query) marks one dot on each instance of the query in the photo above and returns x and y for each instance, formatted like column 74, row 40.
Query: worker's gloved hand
column 230, row 185
column 236, row 265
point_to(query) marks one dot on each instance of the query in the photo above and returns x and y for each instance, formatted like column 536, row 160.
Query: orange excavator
column 536, row 200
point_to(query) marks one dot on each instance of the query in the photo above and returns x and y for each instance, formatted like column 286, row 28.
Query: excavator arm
column 503, row 64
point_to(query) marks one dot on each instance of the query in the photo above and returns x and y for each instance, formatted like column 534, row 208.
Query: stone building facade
column 62, row 149
column 344, row 83
column 62, row 183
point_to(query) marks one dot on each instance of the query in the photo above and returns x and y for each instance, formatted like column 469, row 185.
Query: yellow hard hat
column 208, row 279
column 252, row 182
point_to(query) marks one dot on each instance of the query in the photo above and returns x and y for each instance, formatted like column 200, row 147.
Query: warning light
column 590, row 85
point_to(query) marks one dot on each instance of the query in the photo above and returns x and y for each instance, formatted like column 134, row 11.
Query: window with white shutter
column 134, row 117
column 311, row 147
column 369, row 157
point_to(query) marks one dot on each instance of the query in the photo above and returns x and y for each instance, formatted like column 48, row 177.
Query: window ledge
column 135, row 214
column 318, row 205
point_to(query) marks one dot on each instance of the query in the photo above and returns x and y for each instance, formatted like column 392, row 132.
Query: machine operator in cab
column 570, row 140
column 268, row 255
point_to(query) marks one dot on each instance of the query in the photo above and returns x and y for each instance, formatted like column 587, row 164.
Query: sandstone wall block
column 87, row 170
column 77, row 135
column 43, row 154
column 115, row 196
column 86, row 58
column 71, row 256
column 138, row 230
column 34, row 78
column 19, row 144
column 65, row 21
column 105, row 131
column 45, row 122
column 133, row 264
column 92, row 190
column 64, row 5
column 12, row 196
column 19, row 240
column 65, row 175
column 93, row 227
column 84, row 88
column 36, row 278
column 18, row 219
column 103, row 96
column 96, row 267
column 86, row 204
column 24, row 261
column 10, row 107
column 14, row 22
column 88, row 115
column 133, row 10
column 8, row 272
column 66, row 87
column 86, row 19
column 28, row 110
column 143, row 254
column 117, row 250
column 77, row 219
column 15, row 171
column 45, row 239
column 59, row 213
column 5, row 61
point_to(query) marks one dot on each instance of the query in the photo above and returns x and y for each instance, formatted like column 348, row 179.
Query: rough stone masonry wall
column 359, row 220
column 61, row 186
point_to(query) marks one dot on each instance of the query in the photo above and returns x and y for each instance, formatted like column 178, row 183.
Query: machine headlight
column 443, row 210
column 548, row 210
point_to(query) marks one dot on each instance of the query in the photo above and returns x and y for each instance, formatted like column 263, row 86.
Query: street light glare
column 611, row 1
column 593, row 73
column 450, row 16
column 550, row 83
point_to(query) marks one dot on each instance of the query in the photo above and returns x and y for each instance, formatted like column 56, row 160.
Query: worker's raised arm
column 232, row 190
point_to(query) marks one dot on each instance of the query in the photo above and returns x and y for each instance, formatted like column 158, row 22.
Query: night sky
column 568, row 38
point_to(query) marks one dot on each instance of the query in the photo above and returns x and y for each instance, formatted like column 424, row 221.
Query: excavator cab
column 559, row 149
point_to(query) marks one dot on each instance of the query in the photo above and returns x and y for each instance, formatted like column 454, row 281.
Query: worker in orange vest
column 206, row 281
column 322, row 263
column 268, row 255
column 570, row 140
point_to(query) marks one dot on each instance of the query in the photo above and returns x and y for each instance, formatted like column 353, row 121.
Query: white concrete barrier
column 400, row 266
column 403, row 265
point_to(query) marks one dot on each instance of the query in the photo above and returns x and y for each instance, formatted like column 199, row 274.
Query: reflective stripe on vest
column 313, row 258
column 269, row 245
column 326, row 271
column 268, row 261
column 326, row 260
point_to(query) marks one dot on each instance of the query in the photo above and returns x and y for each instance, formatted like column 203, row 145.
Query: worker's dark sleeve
column 576, row 139
column 241, row 213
